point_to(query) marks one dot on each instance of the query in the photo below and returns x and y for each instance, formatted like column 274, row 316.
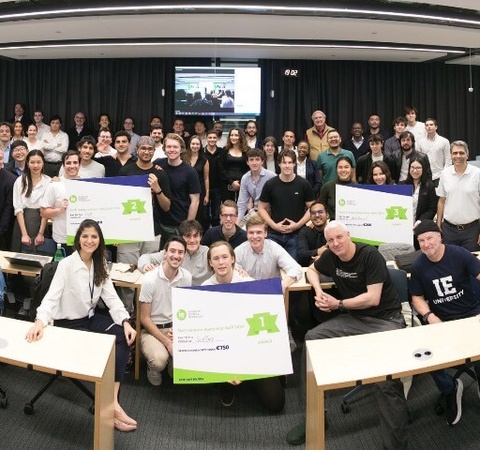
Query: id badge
column 90, row 313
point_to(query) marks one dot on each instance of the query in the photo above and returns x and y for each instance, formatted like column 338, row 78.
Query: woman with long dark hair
column 196, row 157
column 28, row 191
column 424, row 196
column 379, row 174
column 18, row 131
column 345, row 176
column 271, row 154
column 80, row 280
column 232, row 164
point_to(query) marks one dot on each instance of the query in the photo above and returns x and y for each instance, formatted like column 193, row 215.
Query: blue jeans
column 444, row 381
column 288, row 241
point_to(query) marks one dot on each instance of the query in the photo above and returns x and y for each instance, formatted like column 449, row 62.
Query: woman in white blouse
column 31, row 140
column 80, row 280
column 28, row 190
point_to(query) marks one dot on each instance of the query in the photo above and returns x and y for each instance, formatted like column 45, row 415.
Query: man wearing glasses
column 161, row 195
column 311, row 240
column 227, row 230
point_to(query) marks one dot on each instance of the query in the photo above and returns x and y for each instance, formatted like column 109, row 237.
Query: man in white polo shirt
column 156, row 340
column 459, row 200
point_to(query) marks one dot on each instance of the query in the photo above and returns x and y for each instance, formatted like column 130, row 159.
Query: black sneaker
column 454, row 404
column 477, row 375
column 296, row 436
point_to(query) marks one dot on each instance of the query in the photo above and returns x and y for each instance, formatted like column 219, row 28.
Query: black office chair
column 40, row 288
column 400, row 282
column 29, row 408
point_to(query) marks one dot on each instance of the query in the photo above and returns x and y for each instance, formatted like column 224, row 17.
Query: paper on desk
column 128, row 277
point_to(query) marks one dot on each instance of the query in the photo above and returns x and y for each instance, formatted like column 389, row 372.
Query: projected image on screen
column 214, row 91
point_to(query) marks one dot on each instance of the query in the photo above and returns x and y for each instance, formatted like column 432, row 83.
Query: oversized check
column 376, row 214
column 121, row 205
column 228, row 332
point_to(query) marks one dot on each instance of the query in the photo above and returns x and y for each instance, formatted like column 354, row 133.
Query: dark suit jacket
column 74, row 137
column 397, row 157
column 7, row 181
column 427, row 202
column 10, row 166
column 312, row 176
column 364, row 164
column 26, row 121
column 357, row 152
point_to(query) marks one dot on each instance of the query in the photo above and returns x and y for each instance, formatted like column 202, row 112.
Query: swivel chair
column 40, row 288
column 400, row 282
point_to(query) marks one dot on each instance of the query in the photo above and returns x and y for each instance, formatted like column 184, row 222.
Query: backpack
column 40, row 287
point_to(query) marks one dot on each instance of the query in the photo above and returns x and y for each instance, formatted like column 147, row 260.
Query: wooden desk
column 372, row 358
column 17, row 269
column 136, row 284
column 76, row 354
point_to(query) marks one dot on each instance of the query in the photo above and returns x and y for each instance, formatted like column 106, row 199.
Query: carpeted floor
column 192, row 417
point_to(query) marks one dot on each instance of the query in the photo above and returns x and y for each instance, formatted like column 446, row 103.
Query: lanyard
column 91, row 283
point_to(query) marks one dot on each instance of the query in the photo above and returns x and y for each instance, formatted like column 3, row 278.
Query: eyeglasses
column 317, row 213
column 228, row 216
column 416, row 168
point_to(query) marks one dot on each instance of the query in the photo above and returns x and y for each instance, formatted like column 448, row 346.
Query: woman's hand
column 130, row 333
column 26, row 239
column 36, row 332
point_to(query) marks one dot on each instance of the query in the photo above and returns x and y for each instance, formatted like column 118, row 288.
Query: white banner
column 376, row 214
column 221, row 337
column 124, row 211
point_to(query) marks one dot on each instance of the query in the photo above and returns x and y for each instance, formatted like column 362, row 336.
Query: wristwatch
column 158, row 192
column 340, row 305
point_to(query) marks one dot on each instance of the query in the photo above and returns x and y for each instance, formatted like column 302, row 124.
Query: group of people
column 254, row 210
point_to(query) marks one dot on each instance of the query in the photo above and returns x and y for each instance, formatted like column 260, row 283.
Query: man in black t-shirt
column 284, row 204
column 161, row 201
column 184, row 183
column 123, row 157
column 367, row 303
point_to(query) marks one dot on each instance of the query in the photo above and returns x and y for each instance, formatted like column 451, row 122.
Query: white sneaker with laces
column 154, row 377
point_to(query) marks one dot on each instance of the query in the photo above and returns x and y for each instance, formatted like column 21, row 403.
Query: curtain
column 347, row 91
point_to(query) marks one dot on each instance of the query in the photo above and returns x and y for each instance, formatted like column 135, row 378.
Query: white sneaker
column 154, row 377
